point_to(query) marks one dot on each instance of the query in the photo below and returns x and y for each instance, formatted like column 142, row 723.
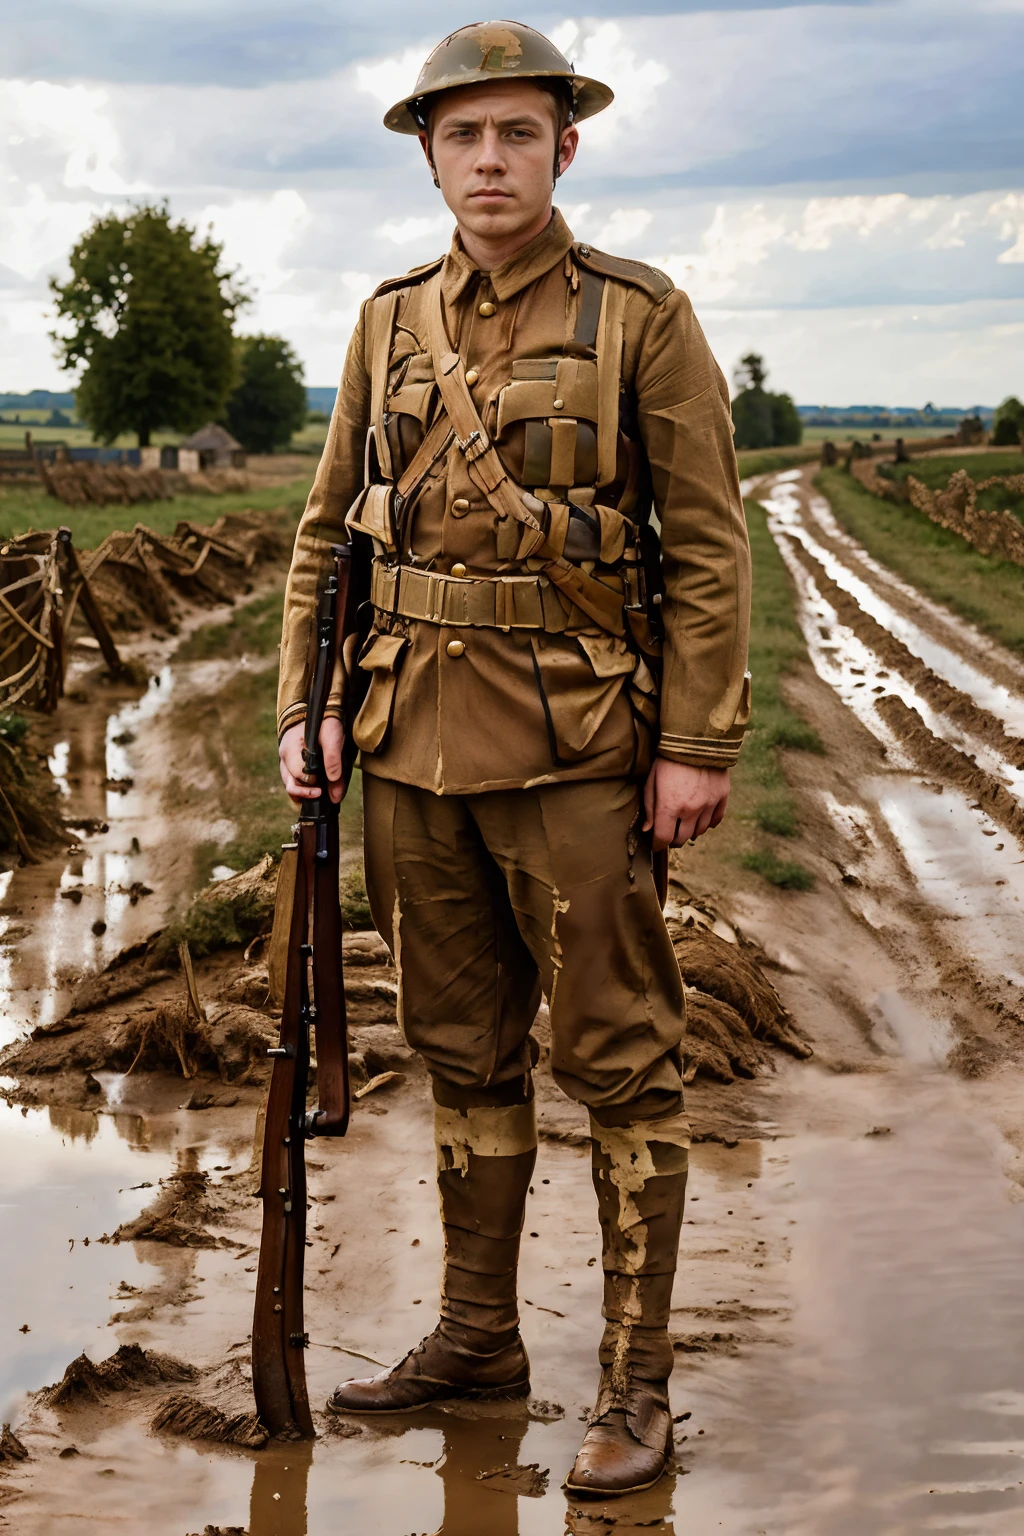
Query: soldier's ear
column 568, row 143
column 424, row 139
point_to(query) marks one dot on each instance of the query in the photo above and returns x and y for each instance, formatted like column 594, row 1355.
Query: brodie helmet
column 487, row 51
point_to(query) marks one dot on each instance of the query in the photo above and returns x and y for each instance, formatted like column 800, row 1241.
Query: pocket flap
column 525, row 400
column 608, row 655
column 381, row 652
column 371, row 513
column 414, row 400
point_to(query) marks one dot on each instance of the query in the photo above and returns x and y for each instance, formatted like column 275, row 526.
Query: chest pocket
column 547, row 422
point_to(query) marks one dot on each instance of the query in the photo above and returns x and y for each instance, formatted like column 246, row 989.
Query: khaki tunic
column 520, row 708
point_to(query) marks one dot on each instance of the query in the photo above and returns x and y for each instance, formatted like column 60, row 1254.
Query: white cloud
column 624, row 226
column 1010, row 211
column 401, row 231
column 388, row 80
column 825, row 217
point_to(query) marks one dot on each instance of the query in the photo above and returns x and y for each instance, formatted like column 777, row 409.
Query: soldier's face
column 493, row 148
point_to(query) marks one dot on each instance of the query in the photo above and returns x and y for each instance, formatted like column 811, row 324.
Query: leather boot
column 640, row 1178
column 485, row 1158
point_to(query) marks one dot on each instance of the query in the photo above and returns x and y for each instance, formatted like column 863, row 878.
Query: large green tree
column 761, row 419
column 149, row 311
column 1008, row 423
column 269, row 401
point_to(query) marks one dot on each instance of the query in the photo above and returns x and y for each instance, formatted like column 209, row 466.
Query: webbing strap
column 487, row 471
column 382, row 318
column 609, row 372
column 502, row 602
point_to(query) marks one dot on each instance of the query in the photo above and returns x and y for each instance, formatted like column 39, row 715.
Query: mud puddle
column 961, row 853
column 69, row 1176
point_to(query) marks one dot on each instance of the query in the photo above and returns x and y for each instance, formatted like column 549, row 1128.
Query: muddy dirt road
column 848, row 1317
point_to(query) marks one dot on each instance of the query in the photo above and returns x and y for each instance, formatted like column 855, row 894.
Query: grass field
column 761, row 798
column 763, row 461
column 987, row 591
column 24, row 507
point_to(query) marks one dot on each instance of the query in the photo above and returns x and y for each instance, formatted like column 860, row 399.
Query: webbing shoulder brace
column 657, row 285
column 410, row 279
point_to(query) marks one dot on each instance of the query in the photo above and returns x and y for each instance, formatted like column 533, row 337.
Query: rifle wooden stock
column 308, row 918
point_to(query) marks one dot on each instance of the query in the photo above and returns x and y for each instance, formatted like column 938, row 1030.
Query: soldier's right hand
column 293, row 774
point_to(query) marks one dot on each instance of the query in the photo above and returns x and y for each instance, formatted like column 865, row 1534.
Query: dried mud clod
column 222, row 1530
column 131, row 1367
column 733, row 1011
column 179, row 1214
column 193, row 1419
column 11, row 1448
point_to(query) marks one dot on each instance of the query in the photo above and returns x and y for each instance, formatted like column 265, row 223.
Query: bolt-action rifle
column 308, row 914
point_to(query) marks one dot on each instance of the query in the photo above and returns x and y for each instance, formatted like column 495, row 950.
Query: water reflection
column 280, row 1477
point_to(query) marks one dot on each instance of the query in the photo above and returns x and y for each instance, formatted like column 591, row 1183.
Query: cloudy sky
column 840, row 186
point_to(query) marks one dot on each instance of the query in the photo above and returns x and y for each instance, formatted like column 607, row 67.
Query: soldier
column 546, row 697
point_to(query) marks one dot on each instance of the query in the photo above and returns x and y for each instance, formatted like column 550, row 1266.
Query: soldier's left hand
column 681, row 802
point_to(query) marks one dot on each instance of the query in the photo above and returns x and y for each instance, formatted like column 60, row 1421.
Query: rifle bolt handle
column 278, row 1050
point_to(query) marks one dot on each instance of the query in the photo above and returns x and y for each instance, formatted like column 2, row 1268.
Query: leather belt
column 488, row 602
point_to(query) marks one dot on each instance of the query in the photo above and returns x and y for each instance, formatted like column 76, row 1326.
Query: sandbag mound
column 130, row 1367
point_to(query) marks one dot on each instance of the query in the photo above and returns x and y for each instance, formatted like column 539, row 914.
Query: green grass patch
column 762, row 797
column 763, row 461
column 785, row 873
column 25, row 507
column 254, row 630
column 985, row 590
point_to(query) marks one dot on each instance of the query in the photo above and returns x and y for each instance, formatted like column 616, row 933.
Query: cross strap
column 489, row 474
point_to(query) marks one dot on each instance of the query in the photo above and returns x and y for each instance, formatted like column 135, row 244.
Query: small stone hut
column 216, row 448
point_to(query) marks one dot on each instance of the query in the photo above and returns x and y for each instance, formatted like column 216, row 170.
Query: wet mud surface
column 848, row 1319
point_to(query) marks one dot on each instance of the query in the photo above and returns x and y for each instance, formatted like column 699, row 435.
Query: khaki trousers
column 488, row 899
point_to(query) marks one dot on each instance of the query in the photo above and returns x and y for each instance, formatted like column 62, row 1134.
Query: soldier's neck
column 488, row 254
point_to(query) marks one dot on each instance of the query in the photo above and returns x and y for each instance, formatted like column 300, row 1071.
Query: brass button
column 458, row 569
column 559, row 404
column 460, row 507
column 455, row 647
column 472, row 376
column 487, row 309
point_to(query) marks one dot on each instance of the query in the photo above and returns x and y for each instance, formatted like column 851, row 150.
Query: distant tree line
column 761, row 419
column 149, row 315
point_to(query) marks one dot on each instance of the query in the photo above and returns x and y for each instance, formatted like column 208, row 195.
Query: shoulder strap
column 409, row 279
column 657, row 285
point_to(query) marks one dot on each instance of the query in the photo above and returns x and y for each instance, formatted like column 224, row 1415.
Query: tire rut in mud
column 941, row 695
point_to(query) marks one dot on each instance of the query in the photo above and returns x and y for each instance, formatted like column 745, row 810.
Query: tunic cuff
column 293, row 714
column 699, row 751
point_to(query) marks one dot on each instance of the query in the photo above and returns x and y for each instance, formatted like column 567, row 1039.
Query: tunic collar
column 544, row 251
